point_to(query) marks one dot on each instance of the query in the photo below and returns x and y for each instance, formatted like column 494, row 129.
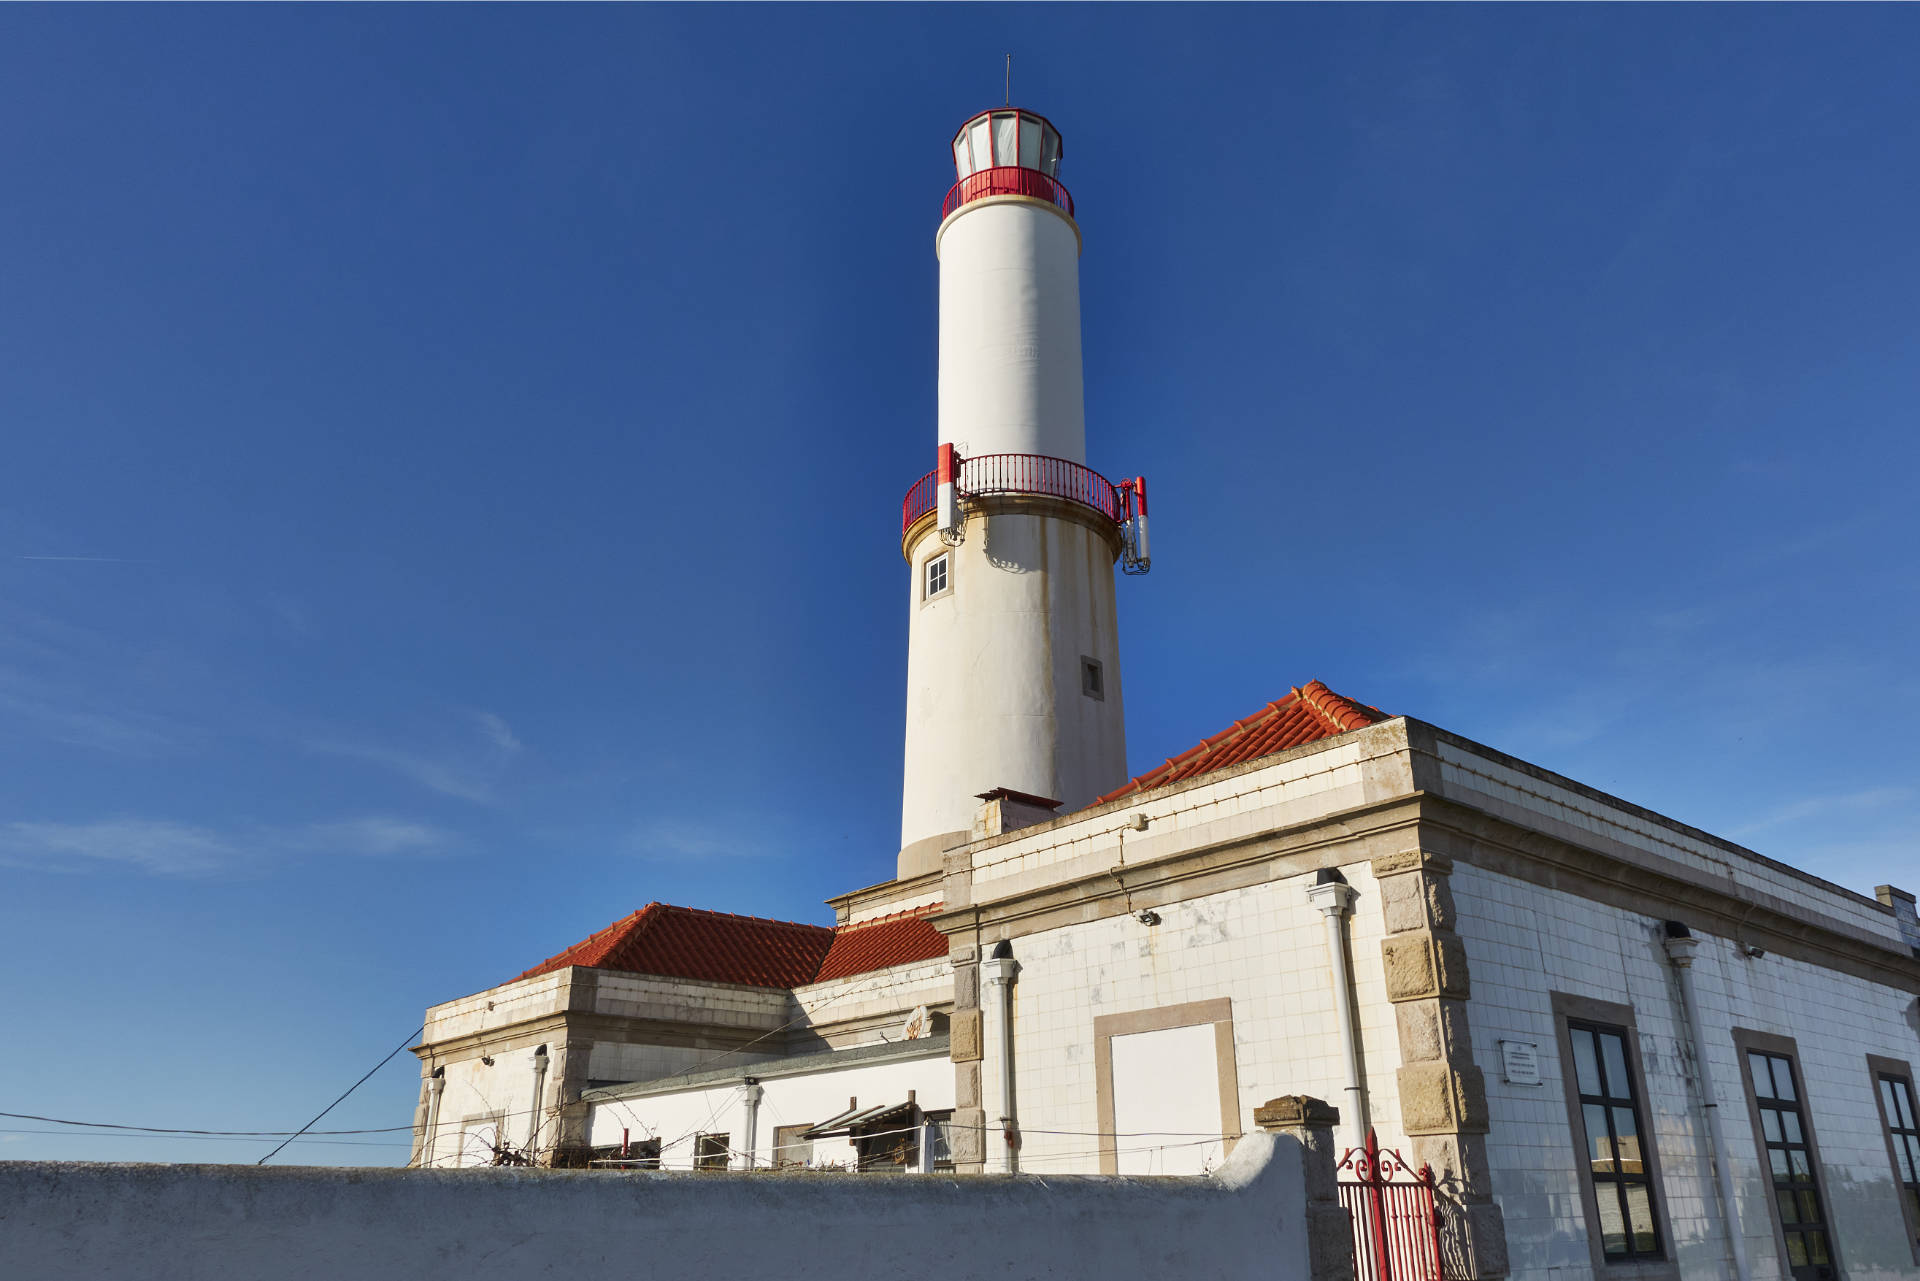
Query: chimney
column 1901, row 903
column 1004, row 810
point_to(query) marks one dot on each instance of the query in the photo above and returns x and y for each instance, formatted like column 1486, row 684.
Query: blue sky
column 453, row 459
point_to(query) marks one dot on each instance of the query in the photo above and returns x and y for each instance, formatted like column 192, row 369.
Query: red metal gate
column 1396, row 1227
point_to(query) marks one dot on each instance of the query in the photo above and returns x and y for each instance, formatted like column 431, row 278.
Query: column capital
column 999, row 969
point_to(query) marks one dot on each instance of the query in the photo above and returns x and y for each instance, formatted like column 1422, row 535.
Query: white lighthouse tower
column 1013, row 664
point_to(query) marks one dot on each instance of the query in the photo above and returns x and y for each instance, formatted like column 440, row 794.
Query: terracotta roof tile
column 899, row 939
column 1309, row 713
column 716, row 947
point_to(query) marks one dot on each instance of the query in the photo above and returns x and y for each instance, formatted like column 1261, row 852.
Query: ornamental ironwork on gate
column 1396, row 1224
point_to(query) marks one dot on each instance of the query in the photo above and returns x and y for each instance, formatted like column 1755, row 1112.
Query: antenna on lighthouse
column 1008, row 100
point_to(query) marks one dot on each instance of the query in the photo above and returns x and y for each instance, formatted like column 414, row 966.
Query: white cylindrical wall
column 995, row 689
column 1010, row 380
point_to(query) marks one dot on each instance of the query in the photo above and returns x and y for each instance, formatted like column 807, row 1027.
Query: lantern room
column 1008, row 152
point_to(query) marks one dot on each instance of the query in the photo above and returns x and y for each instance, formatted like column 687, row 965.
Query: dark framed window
column 1900, row 1120
column 712, row 1151
column 1783, row 1132
column 1614, row 1150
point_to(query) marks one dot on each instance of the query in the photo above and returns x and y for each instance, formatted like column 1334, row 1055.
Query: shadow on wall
column 181, row 1222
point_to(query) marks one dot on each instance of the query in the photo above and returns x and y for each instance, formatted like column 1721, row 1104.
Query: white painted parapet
column 191, row 1222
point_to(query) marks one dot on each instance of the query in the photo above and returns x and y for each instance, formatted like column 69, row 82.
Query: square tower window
column 936, row 581
column 1093, row 679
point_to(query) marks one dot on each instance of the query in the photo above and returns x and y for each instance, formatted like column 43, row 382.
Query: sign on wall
column 1520, row 1062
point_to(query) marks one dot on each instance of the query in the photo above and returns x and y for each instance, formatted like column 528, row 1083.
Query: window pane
column 1782, row 1079
column 1778, row 1159
column 1640, row 1215
column 1801, row 1170
column 1809, row 1207
column 1616, row 1055
column 982, row 145
column 1613, row 1228
column 1904, row 1153
column 1888, row 1103
column 1913, row 1154
column 1817, row 1247
column 1790, row 1123
column 1796, row 1249
column 1762, row 1079
column 1585, row 1065
column 1029, row 143
column 1050, row 153
column 1903, row 1091
column 1628, row 1136
column 1770, row 1124
column 1788, row 1214
column 1599, row 1149
column 1004, row 124
column 1913, row 1201
column 960, row 165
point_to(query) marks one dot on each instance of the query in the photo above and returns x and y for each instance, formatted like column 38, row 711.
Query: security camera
column 1147, row 916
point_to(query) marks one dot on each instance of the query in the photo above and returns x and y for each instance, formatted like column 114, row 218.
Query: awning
column 855, row 1118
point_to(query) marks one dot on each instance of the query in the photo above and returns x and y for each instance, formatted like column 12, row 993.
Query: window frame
column 790, row 1133
column 945, row 560
column 1569, row 1009
column 1878, row 1066
column 1093, row 678
column 1751, row 1041
column 705, row 1161
column 1218, row 1012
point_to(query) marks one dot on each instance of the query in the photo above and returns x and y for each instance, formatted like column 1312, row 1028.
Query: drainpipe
column 755, row 1092
column 1681, row 945
column 539, row 1090
column 1334, row 897
column 998, row 970
column 436, row 1086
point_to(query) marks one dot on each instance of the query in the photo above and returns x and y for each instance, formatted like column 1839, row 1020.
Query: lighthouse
column 1013, row 652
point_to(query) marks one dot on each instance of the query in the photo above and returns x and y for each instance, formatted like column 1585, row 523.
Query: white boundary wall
column 187, row 1222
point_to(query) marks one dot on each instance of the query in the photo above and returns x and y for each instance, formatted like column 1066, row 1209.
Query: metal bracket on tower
column 949, row 518
column 1134, row 551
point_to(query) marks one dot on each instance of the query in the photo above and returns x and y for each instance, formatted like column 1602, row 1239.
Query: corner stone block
column 1403, row 902
column 1408, row 960
column 1459, row 1163
column 1433, row 1030
column 1452, row 957
column 1411, row 861
column 969, row 1136
column 1473, row 1241
column 963, row 1032
column 1436, row 1098
column 966, row 1086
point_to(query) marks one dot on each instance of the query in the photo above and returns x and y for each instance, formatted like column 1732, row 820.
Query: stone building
column 1627, row 1048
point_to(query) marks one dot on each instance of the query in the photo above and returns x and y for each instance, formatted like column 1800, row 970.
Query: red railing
column 1007, row 180
column 1020, row 474
column 1396, row 1227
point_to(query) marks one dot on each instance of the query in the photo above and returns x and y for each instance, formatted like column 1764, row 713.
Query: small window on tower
column 1093, row 681
column 936, row 576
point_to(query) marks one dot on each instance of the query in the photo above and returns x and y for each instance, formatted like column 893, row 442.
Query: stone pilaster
column 1443, row 1096
column 1309, row 1122
column 964, row 1049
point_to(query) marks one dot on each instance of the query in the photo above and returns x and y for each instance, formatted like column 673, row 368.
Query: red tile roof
column 898, row 939
column 719, row 947
column 687, row 943
column 1311, row 712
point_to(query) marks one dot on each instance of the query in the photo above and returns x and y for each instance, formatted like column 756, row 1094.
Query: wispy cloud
column 685, row 842
column 92, row 560
column 1841, row 803
column 161, row 847
column 468, row 765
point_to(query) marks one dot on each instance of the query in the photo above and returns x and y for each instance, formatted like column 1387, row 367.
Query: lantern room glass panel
column 1005, row 137
column 1029, row 143
column 982, row 138
column 962, row 164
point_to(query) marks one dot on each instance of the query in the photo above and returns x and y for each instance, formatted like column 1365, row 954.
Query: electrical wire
column 163, row 1129
column 349, row 1090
